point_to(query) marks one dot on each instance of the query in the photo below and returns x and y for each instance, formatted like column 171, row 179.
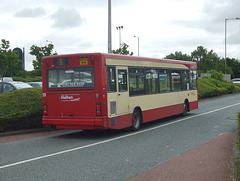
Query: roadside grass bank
column 22, row 109
column 210, row 87
column 236, row 176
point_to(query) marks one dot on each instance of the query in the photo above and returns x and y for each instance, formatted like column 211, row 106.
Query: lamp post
column 119, row 28
column 138, row 43
column 109, row 27
column 226, row 39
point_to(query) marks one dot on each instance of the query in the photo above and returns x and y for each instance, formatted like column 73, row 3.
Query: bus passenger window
column 176, row 80
column 111, row 79
column 164, row 81
column 193, row 80
column 152, row 81
column 185, row 80
column 137, row 81
column 122, row 80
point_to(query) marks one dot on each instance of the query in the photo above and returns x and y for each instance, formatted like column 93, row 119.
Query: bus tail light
column 98, row 108
column 45, row 112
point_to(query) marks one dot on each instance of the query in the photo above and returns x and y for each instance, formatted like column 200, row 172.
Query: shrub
column 21, row 109
column 28, row 79
column 216, row 75
column 209, row 87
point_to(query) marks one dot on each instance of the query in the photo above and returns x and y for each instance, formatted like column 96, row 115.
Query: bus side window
column 185, row 80
column 152, row 81
column 176, row 80
column 122, row 80
column 137, row 81
column 164, row 81
column 111, row 79
column 193, row 79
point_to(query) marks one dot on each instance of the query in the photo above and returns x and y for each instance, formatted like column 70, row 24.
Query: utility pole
column 109, row 27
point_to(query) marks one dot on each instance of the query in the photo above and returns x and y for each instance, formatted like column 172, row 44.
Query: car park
column 35, row 84
column 11, row 86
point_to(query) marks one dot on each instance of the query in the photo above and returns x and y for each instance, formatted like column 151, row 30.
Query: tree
column 206, row 60
column 197, row 55
column 235, row 66
column 123, row 50
column 41, row 52
column 9, row 61
column 178, row 56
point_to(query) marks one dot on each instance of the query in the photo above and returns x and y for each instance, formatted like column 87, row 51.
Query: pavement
column 211, row 161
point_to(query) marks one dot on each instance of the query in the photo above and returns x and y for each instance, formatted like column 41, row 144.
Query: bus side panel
column 159, row 113
column 120, row 122
column 193, row 105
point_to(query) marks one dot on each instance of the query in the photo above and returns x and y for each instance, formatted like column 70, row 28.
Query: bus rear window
column 71, row 77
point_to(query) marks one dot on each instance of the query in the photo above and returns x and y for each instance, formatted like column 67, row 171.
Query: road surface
column 116, row 155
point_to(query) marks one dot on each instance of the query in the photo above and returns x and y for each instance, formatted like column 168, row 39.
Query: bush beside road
column 21, row 109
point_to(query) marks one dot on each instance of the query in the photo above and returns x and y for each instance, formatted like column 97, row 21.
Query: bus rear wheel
column 185, row 109
column 136, row 121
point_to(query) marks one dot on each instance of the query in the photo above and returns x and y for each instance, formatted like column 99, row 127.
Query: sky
column 162, row 26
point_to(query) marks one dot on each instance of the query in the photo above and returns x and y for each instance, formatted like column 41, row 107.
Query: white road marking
column 113, row 139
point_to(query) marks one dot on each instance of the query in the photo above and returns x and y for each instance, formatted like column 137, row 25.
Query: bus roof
column 189, row 64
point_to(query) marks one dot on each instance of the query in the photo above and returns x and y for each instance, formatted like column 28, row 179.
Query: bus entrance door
column 122, row 90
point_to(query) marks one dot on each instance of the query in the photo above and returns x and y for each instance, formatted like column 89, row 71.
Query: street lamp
column 109, row 26
column 138, row 43
column 226, row 39
column 119, row 28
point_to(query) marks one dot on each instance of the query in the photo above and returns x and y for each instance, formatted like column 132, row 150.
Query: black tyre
column 185, row 109
column 136, row 121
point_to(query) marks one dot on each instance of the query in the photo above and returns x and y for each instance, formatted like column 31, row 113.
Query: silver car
column 11, row 86
column 35, row 84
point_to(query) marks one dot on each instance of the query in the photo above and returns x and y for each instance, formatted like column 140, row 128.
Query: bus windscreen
column 76, row 77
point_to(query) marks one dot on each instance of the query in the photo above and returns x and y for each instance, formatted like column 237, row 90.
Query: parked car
column 6, row 79
column 236, row 81
column 11, row 86
column 35, row 84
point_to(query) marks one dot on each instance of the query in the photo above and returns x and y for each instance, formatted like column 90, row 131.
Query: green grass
column 237, row 158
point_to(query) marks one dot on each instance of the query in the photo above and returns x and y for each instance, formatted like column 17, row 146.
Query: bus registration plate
column 83, row 61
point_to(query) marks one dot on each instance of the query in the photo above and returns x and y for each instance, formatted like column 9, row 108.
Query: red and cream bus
column 109, row 91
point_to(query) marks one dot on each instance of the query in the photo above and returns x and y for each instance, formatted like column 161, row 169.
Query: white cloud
column 67, row 18
column 31, row 13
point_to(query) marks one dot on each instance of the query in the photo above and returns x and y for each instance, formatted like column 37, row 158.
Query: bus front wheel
column 136, row 120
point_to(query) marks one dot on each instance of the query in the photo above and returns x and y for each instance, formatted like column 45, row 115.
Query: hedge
column 210, row 87
column 21, row 109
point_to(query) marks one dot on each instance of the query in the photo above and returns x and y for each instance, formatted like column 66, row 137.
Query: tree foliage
column 9, row 62
column 179, row 56
column 123, row 50
column 41, row 52
column 209, row 60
